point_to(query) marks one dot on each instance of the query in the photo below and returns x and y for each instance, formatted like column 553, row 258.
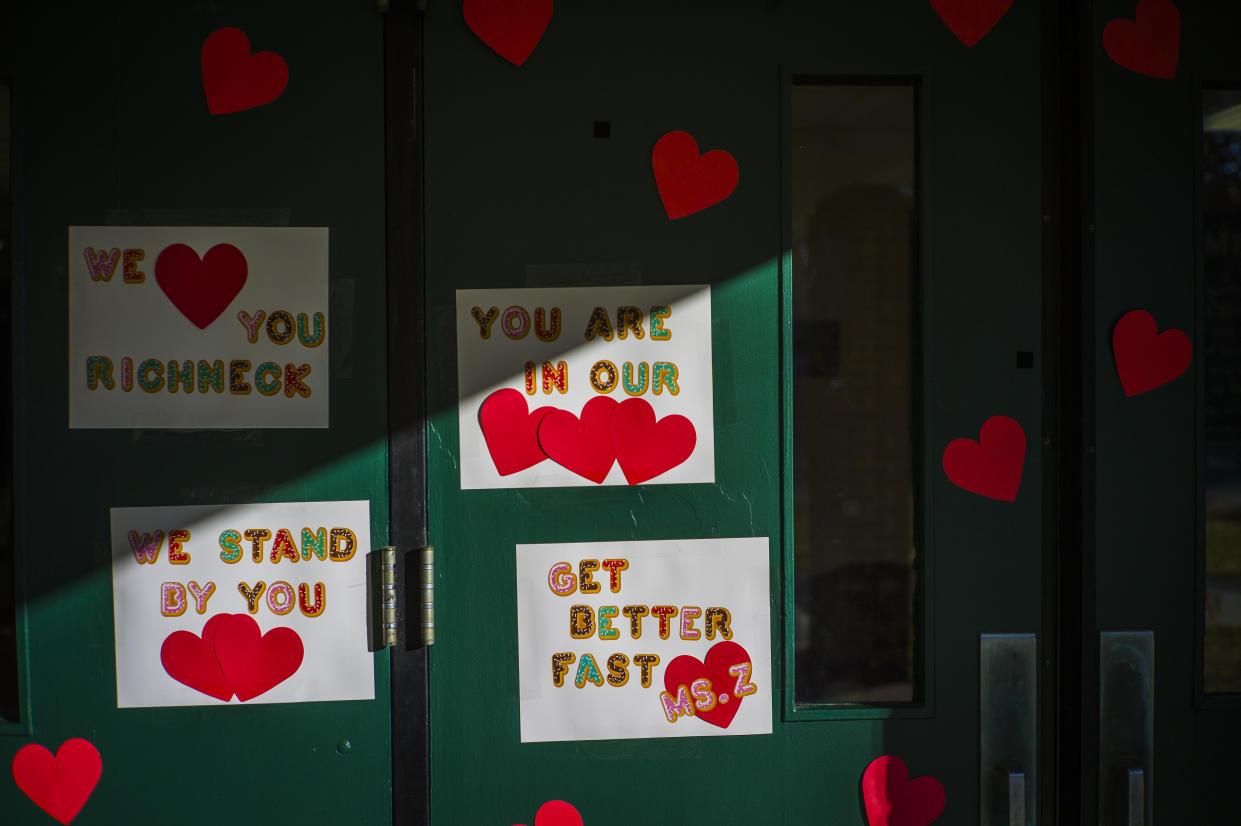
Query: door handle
column 1007, row 726
column 1126, row 726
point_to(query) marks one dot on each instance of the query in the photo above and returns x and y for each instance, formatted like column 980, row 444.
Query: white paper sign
column 585, row 386
column 619, row 640
column 198, row 327
column 248, row 604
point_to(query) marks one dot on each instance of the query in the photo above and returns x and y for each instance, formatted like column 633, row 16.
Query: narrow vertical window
column 856, row 422
column 8, row 608
column 1221, row 404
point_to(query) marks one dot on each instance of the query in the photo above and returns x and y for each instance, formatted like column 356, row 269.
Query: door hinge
column 427, row 594
column 381, row 597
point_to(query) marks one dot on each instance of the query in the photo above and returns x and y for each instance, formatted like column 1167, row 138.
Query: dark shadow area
column 9, row 695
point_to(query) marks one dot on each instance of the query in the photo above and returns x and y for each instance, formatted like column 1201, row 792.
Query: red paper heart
column 191, row 660
column 234, row 79
column 646, row 448
column 892, row 799
column 683, row 670
column 1150, row 43
column 688, row 182
column 201, row 289
column 255, row 664
column 511, row 431
column 583, row 445
column 557, row 813
column 511, row 28
column 1145, row 358
column 62, row 784
column 991, row 466
column 970, row 19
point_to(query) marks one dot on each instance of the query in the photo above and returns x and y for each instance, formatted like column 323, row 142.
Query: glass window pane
column 855, row 417
column 8, row 613
column 1221, row 339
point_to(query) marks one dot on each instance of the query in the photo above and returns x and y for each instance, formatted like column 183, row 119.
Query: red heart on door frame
column 255, row 663
column 557, row 813
column 646, row 448
column 234, row 79
column 991, row 466
column 58, row 785
column 970, row 20
column 512, row 28
column 689, row 182
column 721, row 657
column 1146, row 358
column 190, row 659
column 892, row 799
column 511, row 430
column 1149, row 44
column 583, row 445
column 202, row 288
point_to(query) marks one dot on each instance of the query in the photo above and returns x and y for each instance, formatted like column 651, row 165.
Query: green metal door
column 857, row 331
column 111, row 128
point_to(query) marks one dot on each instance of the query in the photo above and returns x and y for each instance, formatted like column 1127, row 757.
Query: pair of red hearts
column 721, row 657
column 232, row 657
column 607, row 432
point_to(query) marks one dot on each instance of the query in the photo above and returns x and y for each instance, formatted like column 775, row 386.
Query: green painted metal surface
column 110, row 126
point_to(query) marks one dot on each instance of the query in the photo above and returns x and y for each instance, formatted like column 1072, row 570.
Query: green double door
column 940, row 218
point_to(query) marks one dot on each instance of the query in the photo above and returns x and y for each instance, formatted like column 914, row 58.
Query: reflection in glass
column 855, row 419
column 1221, row 339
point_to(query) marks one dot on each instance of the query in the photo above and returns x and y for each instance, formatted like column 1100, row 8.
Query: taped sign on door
column 644, row 639
column 585, row 386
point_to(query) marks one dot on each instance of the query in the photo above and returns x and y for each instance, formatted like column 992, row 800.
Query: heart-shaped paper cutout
column 688, row 182
column 647, row 448
column 722, row 656
column 557, row 813
column 255, row 664
column 234, row 79
column 1149, row 44
column 583, row 445
column 991, row 466
column 1146, row 358
column 969, row 20
column 58, row 785
column 892, row 799
column 202, row 288
column 511, row 431
column 512, row 28
column 191, row 660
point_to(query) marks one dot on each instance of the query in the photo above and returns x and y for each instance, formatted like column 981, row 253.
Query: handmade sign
column 689, row 182
column 198, row 327
column 992, row 465
column 59, row 785
column 892, row 799
column 969, row 20
column 1150, row 43
column 1146, row 358
column 234, row 79
column 619, row 640
column 585, row 386
column 260, row 603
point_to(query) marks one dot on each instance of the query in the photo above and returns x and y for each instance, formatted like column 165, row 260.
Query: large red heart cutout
column 991, row 466
column 202, row 288
column 1146, row 358
column 722, row 656
column 557, row 813
column 969, row 20
column 1149, row 44
column 583, row 445
column 62, row 784
column 688, row 182
column 511, row 28
column 892, row 799
column 255, row 664
column 511, row 431
column 647, row 448
column 191, row 660
column 234, row 79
